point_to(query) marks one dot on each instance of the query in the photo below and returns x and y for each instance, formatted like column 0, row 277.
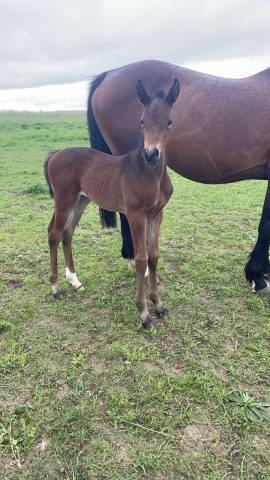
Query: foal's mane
column 138, row 141
column 160, row 94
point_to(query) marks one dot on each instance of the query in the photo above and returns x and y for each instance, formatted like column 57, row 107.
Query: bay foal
column 136, row 184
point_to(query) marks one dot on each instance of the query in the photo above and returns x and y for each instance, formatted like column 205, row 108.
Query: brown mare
column 135, row 184
column 220, row 134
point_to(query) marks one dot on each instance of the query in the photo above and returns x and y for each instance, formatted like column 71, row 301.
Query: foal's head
column 156, row 120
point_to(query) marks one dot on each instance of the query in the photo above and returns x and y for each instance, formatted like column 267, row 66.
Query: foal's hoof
column 58, row 295
column 148, row 324
column 79, row 289
column 160, row 311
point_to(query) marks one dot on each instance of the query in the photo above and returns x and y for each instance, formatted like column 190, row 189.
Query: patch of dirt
column 201, row 436
column 100, row 314
column 152, row 366
column 230, row 346
column 42, row 445
column 63, row 390
column 261, row 442
column 175, row 265
column 7, row 465
column 11, row 403
column 13, row 283
column 218, row 372
column 43, row 321
column 100, row 366
column 176, row 369
column 121, row 448
column 53, row 366
column 169, row 368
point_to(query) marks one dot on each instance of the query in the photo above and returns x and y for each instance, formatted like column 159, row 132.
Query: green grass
column 85, row 393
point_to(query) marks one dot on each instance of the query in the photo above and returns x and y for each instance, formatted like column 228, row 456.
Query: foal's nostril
column 151, row 155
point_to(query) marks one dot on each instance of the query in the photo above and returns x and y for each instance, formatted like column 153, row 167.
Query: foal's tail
column 46, row 161
column 107, row 219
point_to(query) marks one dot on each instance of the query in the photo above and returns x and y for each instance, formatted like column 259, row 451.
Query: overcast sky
column 63, row 42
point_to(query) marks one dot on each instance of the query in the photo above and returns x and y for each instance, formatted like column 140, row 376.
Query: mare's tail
column 46, row 161
column 107, row 219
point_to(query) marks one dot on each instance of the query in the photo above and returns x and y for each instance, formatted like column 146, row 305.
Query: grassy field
column 85, row 393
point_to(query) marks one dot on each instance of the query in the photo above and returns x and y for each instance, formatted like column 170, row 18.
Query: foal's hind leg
column 53, row 241
column 258, row 265
column 55, row 230
column 68, row 231
column 153, row 252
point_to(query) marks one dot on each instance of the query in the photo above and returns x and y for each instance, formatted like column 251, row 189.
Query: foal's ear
column 142, row 93
column 173, row 93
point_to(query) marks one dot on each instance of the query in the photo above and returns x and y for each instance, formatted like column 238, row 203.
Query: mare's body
column 221, row 131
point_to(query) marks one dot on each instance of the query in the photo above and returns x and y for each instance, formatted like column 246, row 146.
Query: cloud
column 73, row 96
column 65, row 41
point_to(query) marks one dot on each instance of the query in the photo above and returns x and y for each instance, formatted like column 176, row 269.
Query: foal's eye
column 142, row 124
column 170, row 123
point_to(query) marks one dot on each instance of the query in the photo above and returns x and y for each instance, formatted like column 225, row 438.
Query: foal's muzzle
column 151, row 155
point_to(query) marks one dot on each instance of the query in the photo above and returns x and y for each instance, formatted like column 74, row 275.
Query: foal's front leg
column 137, row 224
column 153, row 252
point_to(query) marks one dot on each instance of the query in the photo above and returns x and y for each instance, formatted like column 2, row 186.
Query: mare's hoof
column 58, row 295
column 261, row 291
column 266, row 274
column 148, row 324
column 160, row 311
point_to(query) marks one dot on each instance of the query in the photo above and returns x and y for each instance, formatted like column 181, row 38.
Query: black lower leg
column 258, row 264
column 127, row 247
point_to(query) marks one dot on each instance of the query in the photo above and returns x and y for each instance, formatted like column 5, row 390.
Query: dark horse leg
column 258, row 265
column 127, row 246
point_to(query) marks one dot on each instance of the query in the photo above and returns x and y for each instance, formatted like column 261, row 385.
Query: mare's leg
column 68, row 232
column 127, row 244
column 55, row 229
column 258, row 264
column 153, row 252
column 137, row 224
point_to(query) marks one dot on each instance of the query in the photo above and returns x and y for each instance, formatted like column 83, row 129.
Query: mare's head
column 156, row 120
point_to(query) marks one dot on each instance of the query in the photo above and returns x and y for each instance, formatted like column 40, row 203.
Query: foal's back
column 85, row 170
column 76, row 165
